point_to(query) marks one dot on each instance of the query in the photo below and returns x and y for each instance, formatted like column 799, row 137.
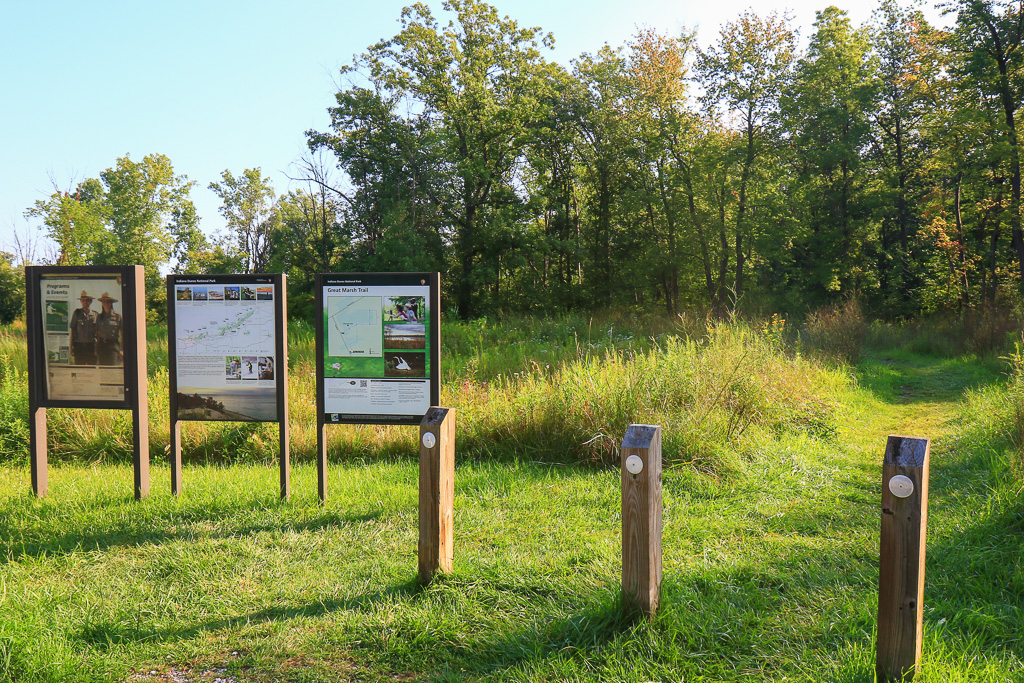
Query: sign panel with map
column 378, row 347
column 225, row 333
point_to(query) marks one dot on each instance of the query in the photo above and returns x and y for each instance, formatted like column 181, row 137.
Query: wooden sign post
column 39, row 463
column 87, row 349
column 137, row 389
column 901, row 557
column 437, row 488
column 641, row 518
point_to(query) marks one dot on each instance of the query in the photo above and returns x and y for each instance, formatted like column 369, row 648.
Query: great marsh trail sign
column 377, row 347
column 377, row 351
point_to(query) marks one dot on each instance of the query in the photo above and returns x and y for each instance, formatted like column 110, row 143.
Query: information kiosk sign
column 87, row 349
column 228, row 362
column 224, row 331
column 377, row 351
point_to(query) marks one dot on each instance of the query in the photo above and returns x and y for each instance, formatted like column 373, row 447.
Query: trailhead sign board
column 226, row 357
column 86, row 349
column 377, row 347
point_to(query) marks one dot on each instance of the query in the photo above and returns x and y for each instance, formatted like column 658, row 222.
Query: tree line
column 881, row 160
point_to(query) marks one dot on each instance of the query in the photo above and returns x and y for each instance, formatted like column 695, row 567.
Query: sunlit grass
column 770, row 529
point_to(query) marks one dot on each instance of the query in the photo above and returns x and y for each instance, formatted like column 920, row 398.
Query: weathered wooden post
column 37, row 436
column 136, row 383
column 38, row 464
column 901, row 557
column 641, row 518
column 437, row 490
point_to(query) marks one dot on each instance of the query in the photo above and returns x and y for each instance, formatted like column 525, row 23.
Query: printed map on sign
column 354, row 326
column 214, row 329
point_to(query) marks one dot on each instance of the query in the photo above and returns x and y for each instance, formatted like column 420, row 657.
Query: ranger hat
column 106, row 297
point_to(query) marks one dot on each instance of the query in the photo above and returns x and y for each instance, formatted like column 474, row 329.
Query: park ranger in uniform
column 83, row 332
column 108, row 333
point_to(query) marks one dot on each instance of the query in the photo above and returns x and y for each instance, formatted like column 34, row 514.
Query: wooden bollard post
column 902, row 552
column 641, row 518
column 437, row 490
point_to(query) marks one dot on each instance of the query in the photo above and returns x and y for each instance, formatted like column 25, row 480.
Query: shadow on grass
column 22, row 536
column 899, row 378
column 584, row 633
column 109, row 633
column 974, row 581
column 150, row 529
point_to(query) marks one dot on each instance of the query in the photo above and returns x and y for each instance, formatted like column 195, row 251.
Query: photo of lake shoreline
column 242, row 404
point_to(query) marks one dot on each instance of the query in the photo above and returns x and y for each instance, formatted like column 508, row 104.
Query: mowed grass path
column 770, row 574
column 974, row 587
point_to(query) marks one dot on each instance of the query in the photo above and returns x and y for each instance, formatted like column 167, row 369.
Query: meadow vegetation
column 773, row 437
column 561, row 389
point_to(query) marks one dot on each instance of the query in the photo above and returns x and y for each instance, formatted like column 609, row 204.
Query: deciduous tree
column 248, row 207
column 744, row 73
column 828, row 111
column 478, row 82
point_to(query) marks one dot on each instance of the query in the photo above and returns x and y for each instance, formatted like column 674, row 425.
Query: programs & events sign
column 86, row 334
column 82, row 336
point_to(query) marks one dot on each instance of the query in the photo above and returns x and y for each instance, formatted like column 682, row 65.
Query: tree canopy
column 881, row 160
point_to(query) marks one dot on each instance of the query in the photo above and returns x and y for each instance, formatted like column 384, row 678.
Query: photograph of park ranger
column 83, row 332
column 108, row 333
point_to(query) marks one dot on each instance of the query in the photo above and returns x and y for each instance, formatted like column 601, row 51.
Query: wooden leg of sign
column 175, row 453
column 901, row 557
column 135, row 375
column 321, row 460
column 37, row 444
column 284, row 459
column 641, row 518
column 140, row 448
column 437, row 490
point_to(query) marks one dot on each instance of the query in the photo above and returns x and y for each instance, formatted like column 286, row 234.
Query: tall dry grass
column 836, row 331
column 549, row 389
column 979, row 331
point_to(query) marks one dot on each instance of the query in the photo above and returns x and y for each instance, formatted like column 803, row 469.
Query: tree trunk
column 965, row 296
column 1001, row 55
column 741, row 210
column 467, row 247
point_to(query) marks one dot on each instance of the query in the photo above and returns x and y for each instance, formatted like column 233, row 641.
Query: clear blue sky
column 228, row 84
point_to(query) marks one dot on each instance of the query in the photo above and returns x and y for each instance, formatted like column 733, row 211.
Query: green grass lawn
column 770, row 564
